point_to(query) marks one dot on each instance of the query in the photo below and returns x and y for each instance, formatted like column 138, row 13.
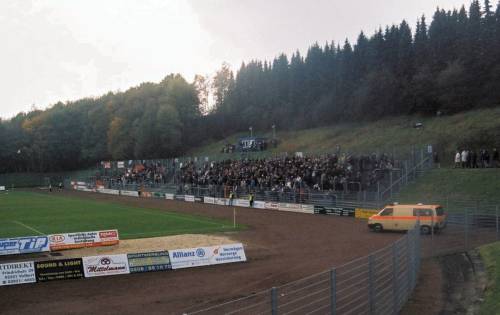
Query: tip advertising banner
column 24, row 245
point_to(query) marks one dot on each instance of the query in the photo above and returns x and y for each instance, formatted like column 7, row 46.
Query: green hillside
column 473, row 129
column 455, row 184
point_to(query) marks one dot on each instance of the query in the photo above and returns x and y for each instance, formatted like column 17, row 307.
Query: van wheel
column 425, row 229
column 378, row 228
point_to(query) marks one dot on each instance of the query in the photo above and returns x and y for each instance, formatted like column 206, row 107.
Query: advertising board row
column 108, row 265
column 54, row 242
column 292, row 207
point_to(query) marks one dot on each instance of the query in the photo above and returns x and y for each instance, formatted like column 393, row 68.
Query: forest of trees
column 447, row 65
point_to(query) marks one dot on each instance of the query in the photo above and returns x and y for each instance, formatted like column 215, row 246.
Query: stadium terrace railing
column 380, row 283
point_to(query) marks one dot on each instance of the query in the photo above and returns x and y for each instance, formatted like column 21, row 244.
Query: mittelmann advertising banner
column 96, row 266
column 204, row 256
column 17, row 273
column 24, row 245
column 151, row 261
column 83, row 239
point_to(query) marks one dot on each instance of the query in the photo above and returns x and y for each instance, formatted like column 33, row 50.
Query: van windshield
column 439, row 211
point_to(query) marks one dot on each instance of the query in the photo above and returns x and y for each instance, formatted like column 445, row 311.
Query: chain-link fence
column 380, row 283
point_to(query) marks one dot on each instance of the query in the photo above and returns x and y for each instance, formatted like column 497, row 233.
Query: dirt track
column 280, row 247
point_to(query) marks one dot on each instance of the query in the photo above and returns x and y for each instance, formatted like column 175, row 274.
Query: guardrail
column 380, row 283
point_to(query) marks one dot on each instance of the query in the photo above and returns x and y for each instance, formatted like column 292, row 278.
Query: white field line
column 29, row 227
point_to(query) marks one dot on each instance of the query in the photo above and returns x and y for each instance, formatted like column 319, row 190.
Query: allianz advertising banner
column 205, row 256
column 24, row 245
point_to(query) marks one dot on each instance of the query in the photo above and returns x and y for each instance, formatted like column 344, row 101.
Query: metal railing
column 380, row 283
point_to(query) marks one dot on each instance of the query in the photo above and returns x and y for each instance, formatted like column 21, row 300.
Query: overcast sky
column 59, row 50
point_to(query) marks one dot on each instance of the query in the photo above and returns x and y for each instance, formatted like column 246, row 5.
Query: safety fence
column 380, row 283
column 469, row 224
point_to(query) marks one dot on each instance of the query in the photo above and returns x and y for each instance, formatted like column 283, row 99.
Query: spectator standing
column 474, row 159
column 496, row 158
column 457, row 159
column 436, row 160
column 465, row 156
column 486, row 158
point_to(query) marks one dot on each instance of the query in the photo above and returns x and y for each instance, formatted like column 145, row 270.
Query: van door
column 386, row 218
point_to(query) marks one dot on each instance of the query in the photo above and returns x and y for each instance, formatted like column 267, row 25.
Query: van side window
column 387, row 212
column 422, row 212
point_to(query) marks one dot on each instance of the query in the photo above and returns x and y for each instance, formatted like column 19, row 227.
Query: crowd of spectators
column 468, row 158
column 147, row 172
column 326, row 172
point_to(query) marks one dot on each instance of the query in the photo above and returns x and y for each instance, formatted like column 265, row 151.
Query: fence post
column 394, row 280
column 371, row 281
column 390, row 187
column 274, row 301
column 333, row 288
column 496, row 216
column 378, row 190
column 466, row 229
column 408, row 266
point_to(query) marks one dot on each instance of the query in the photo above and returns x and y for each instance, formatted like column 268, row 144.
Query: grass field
column 455, row 184
column 29, row 213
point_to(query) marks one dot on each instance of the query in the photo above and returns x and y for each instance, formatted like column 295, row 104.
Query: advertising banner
column 189, row 198
column 158, row 195
column 2, row 188
column 362, row 213
column 81, row 183
column 293, row 207
column 241, row 203
column 96, row 266
column 129, row 193
column 259, row 204
column 109, row 191
column 152, row 261
column 180, row 197
column 24, row 245
column 83, row 188
column 204, row 256
column 170, row 196
column 59, row 269
column 17, row 273
column 120, row 164
column 83, row 239
column 220, row 201
column 272, row 205
column 307, row 208
column 210, row 200
column 340, row 211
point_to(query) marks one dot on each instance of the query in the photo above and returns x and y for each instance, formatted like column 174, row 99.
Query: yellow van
column 404, row 217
